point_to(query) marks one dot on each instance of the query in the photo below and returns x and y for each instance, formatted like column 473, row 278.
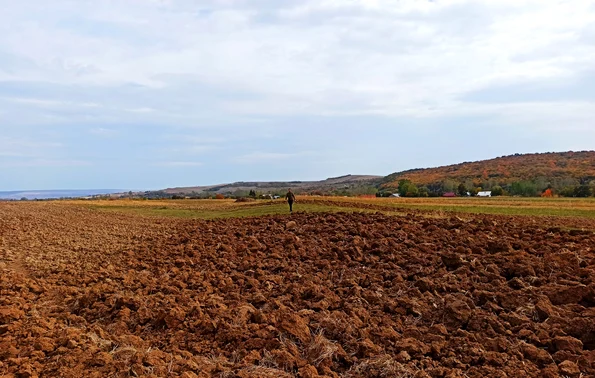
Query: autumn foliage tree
column 517, row 173
column 497, row 191
column 462, row 190
column 582, row 191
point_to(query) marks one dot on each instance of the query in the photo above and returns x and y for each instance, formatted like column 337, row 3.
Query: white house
column 484, row 194
column 395, row 195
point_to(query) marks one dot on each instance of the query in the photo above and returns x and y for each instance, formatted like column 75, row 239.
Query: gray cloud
column 581, row 88
column 387, row 57
column 265, row 80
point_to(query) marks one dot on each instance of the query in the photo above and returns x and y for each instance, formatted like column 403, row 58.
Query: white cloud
column 103, row 132
column 549, row 117
column 124, row 62
column 48, row 103
column 312, row 57
column 22, row 147
column 140, row 110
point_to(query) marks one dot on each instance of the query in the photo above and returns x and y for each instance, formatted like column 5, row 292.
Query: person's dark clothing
column 290, row 197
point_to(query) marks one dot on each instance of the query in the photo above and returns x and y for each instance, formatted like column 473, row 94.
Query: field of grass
column 570, row 207
column 210, row 209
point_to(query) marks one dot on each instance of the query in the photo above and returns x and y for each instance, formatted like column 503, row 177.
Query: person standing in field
column 290, row 198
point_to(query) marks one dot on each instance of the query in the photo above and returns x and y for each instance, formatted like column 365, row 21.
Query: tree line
column 525, row 188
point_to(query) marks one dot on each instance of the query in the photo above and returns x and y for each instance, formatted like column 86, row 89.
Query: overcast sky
column 147, row 94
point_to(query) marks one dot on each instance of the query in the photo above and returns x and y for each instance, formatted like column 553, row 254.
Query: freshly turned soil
column 85, row 293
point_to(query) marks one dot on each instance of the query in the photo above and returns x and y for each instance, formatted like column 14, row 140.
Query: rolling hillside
column 565, row 173
column 556, row 169
column 347, row 182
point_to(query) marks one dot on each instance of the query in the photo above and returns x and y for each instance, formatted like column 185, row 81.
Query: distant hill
column 51, row 194
column 555, row 169
column 334, row 184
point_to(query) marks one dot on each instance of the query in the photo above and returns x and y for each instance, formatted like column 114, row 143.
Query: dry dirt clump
column 245, row 199
column 96, row 294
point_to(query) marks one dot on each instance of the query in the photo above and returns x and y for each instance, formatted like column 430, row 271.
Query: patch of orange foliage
column 505, row 170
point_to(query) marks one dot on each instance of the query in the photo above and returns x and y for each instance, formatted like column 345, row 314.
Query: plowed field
column 87, row 293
